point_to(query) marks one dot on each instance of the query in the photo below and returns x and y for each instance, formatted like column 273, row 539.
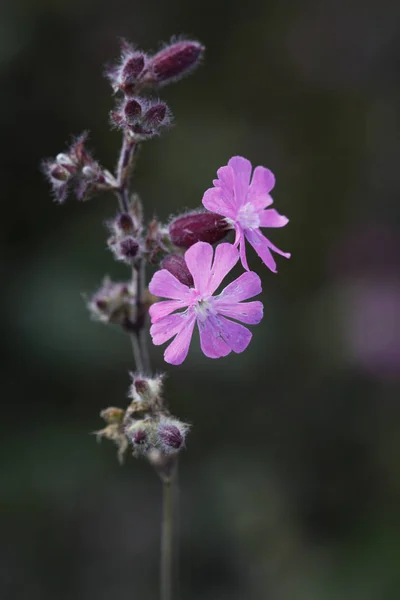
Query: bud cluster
column 114, row 303
column 142, row 118
column 76, row 171
column 146, row 424
column 125, row 241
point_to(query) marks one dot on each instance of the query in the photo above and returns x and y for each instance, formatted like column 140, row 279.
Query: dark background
column 289, row 486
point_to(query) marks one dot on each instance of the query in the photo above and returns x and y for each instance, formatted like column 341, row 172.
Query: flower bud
column 198, row 227
column 129, row 247
column 140, row 434
column 146, row 389
column 171, row 435
column 173, row 62
column 156, row 115
column 124, row 223
column 132, row 111
column 175, row 264
column 130, row 71
column 114, row 303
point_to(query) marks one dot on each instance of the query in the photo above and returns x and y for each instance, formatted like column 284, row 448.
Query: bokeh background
column 289, row 487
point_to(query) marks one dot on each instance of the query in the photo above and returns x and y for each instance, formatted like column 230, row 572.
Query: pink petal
column 162, row 309
column 244, row 287
column 242, row 251
column 226, row 257
column 271, row 218
column 261, row 184
column 164, row 284
column 262, row 246
column 216, row 201
column 242, row 169
column 178, row 349
column 211, row 342
column 217, row 329
column 198, row 259
column 167, row 327
column 226, row 180
column 246, row 312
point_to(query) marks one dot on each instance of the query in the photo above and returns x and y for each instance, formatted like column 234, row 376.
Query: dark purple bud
column 101, row 304
column 175, row 61
column 125, row 223
column 139, row 437
column 132, row 110
column 198, row 227
column 60, row 173
column 129, row 247
column 141, row 386
column 175, row 264
column 155, row 116
column 132, row 68
column 171, row 435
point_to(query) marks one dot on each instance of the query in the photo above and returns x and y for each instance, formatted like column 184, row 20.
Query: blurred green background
column 289, row 487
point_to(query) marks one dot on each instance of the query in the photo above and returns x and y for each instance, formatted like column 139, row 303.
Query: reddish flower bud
column 175, row 264
column 175, row 61
column 198, row 227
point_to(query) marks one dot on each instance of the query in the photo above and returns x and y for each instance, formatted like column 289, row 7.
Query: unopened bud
column 140, row 434
column 146, row 389
column 171, row 435
column 198, row 227
column 124, row 223
column 133, row 66
column 129, row 247
column 155, row 116
column 175, row 61
column 59, row 173
column 133, row 111
column 175, row 264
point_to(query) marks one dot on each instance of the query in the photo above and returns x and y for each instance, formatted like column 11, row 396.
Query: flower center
column 248, row 216
column 203, row 309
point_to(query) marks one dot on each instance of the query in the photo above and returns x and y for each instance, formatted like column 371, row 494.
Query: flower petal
column 167, row 327
column 218, row 336
column 160, row 310
column 263, row 248
column 178, row 349
column 246, row 312
column 226, row 257
column 164, row 284
column 244, row 287
column 271, row 218
column 198, row 259
column 261, row 184
column 242, row 170
column 242, row 252
column 211, row 342
column 215, row 200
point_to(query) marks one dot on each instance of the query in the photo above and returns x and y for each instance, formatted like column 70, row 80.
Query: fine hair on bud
column 174, row 61
column 170, row 435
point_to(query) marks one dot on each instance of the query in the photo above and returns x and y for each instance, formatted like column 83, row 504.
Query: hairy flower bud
column 171, row 435
column 124, row 248
column 132, row 111
column 140, row 433
column 198, row 227
column 114, row 303
column 175, row 264
column 124, row 223
column 173, row 62
column 156, row 115
column 129, row 247
column 146, row 389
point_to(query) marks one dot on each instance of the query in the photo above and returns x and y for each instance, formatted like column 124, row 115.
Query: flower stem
column 167, row 538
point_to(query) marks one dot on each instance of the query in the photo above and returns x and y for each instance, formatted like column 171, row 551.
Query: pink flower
column 218, row 334
column 244, row 206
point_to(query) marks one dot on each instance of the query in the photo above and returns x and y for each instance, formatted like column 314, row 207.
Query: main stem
column 142, row 362
column 167, row 539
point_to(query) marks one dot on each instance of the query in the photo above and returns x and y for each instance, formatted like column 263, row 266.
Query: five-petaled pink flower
column 244, row 206
column 218, row 334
